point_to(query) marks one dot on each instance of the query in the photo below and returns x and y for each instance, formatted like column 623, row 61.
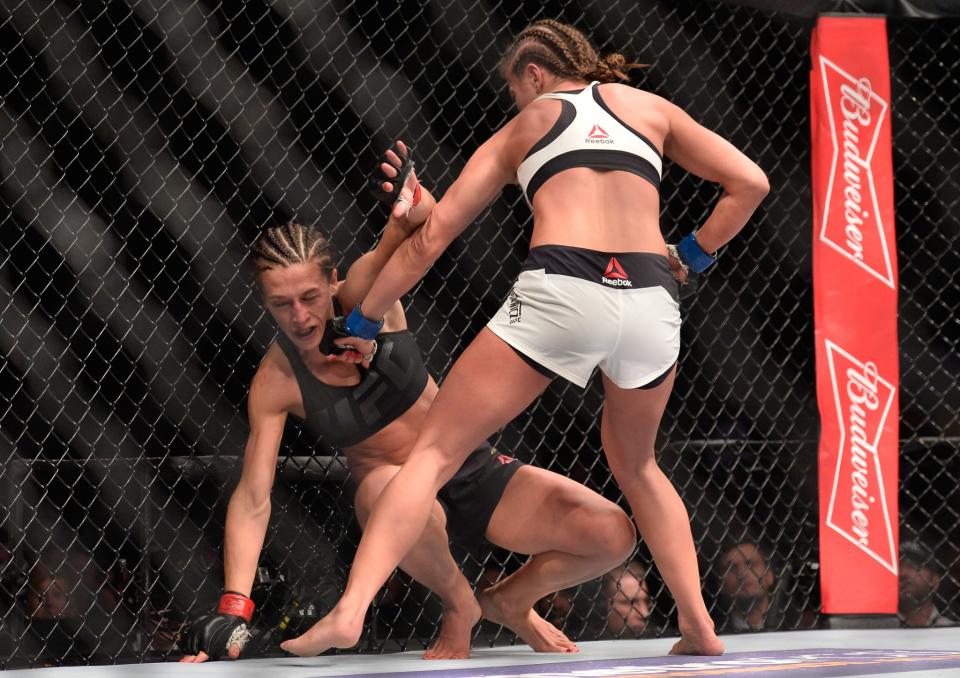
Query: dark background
column 142, row 146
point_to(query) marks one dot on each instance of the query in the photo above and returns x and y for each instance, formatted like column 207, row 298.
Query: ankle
column 698, row 626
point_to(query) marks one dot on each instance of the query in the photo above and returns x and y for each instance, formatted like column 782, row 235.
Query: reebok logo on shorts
column 614, row 275
column 598, row 135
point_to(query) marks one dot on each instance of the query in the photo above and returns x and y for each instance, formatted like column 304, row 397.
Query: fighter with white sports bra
column 574, row 309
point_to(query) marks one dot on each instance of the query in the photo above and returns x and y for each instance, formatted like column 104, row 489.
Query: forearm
column 480, row 182
column 365, row 270
column 411, row 261
column 245, row 530
column 729, row 216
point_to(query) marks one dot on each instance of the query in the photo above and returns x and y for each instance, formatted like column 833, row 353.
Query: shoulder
column 617, row 94
column 523, row 130
column 273, row 385
column 538, row 113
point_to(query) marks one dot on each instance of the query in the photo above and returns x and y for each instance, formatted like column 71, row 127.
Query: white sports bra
column 587, row 134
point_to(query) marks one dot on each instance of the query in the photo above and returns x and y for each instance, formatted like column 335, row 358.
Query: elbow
column 749, row 189
column 756, row 184
column 252, row 501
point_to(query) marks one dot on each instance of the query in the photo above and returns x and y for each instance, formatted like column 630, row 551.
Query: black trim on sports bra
column 603, row 105
column 593, row 158
column 567, row 113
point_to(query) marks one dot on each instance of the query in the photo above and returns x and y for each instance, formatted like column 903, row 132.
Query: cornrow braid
column 289, row 244
column 563, row 50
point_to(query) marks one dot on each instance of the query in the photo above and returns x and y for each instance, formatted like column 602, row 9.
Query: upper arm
column 355, row 284
column 267, row 414
column 706, row 154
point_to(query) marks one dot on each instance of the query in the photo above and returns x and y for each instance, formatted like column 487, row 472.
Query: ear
column 535, row 74
column 333, row 277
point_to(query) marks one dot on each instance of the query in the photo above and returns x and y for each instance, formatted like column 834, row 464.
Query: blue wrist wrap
column 693, row 255
column 359, row 326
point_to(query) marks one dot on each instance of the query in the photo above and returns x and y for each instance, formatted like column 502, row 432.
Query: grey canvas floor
column 910, row 653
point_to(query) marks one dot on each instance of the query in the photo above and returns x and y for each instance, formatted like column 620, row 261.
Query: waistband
column 616, row 270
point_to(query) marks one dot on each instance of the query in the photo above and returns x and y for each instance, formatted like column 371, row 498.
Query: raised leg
column 431, row 564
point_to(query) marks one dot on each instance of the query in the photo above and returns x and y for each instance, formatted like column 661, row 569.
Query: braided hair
column 289, row 244
column 564, row 51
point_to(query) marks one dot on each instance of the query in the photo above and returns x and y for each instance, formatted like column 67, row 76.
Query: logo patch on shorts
column 615, row 275
column 515, row 307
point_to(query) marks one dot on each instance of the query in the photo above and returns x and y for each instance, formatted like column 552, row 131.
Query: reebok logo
column 598, row 135
column 614, row 275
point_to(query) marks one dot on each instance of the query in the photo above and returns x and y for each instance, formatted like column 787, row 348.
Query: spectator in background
column 71, row 609
column 920, row 575
column 747, row 588
column 628, row 601
column 52, row 610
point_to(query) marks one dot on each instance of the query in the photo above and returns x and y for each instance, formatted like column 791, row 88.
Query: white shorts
column 573, row 310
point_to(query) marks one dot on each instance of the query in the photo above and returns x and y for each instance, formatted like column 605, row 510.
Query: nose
column 300, row 312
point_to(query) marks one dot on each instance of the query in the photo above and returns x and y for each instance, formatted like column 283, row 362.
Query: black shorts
column 471, row 496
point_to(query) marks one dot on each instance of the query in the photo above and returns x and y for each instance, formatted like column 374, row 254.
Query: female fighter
column 595, row 291
column 372, row 408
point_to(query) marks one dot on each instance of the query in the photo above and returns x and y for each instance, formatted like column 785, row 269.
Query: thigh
column 631, row 420
column 544, row 511
column 487, row 387
column 370, row 488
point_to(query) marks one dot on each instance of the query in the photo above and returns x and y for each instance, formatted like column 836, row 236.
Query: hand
column 394, row 182
column 409, row 196
column 224, row 632
column 214, row 636
column 360, row 351
column 680, row 270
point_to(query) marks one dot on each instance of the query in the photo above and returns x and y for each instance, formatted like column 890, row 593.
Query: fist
column 216, row 635
column 223, row 632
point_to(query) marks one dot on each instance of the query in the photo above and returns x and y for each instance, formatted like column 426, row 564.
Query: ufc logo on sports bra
column 598, row 135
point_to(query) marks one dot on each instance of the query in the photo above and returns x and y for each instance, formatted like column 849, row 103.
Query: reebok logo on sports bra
column 598, row 135
column 615, row 275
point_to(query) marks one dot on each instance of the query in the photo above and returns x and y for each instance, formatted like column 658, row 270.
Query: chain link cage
column 143, row 144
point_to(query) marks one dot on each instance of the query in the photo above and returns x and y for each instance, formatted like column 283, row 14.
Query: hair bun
column 614, row 61
column 609, row 68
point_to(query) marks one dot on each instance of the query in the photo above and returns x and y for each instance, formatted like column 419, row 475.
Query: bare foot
column 334, row 630
column 702, row 643
column 532, row 629
column 453, row 641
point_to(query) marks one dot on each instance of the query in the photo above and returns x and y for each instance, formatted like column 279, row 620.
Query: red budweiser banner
column 855, row 309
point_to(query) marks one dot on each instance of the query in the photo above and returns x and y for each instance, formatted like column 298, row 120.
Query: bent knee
column 615, row 535
column 369, row 489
